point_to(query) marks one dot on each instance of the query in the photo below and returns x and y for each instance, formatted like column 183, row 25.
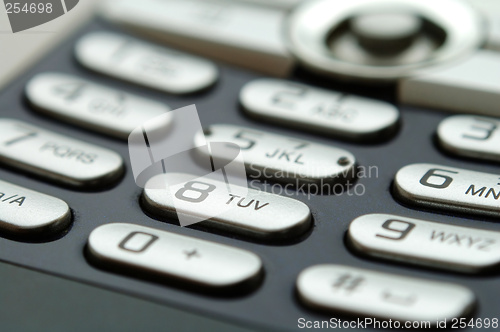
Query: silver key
column 471, row 86
column 56, row 157
column 449, row 188
column 374, row 294
column 471, row 136
column 425, row 243
column 145, row 64
column 27, row 213
column 91, row 105
column 282, row 158
column 245, row 35
column 144, row 250
column 251, row 212
column 318, row 110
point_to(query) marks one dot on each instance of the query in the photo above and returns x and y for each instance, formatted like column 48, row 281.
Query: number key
column 56, row 157
column 367, row 293
column 426, row 243
column 145, row 64
column 283, row 159
column 471, row 136
column 246, row 211
column 320, row 111
column 140, row 250
column 93, row 106
column 460, row 190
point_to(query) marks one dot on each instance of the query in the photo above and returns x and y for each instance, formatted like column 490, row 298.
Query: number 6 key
column 448, row 188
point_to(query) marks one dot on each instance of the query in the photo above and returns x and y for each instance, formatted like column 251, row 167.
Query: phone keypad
column 57, row 158
column 220, row 205
column 145, row 64
column 423, row 242
column 291, row 236
column 147, row 251
column 382, row 295
column 29, row 214
column 449, row 188
column 471, row 136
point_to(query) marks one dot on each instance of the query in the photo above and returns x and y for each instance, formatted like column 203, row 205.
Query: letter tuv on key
column 240, row 203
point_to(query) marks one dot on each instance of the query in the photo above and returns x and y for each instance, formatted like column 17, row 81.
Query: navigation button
column 29, row 214
column 387, row 32
column 449, row 188
column 371, row 294
column 426, row 243
column 256, row 213
column 57, row 158
column 327, row 112
column 147, row 251
column 145, row 64
column 471, row 136
column 93, row 106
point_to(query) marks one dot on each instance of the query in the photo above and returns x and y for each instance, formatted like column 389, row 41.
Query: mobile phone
column 371, row 191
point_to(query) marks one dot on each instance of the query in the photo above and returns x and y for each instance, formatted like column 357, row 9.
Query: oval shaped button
column 145, row 64
column 56, row 157
column 328, row 112
column 251, row 212
column 471, row 136
column 427, row 243
column 93, row 106
column 281, row 158
column 29, row 214
column 382, row 295
column 145, row 251
column 449, row 188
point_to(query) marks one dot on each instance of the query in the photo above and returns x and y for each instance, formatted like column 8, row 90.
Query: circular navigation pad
column 382, row 40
